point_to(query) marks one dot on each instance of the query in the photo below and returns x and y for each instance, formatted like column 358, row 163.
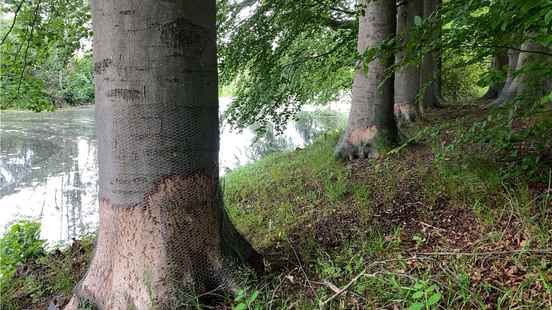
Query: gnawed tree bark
column 530, row 85
column 371, row 123
column 407, row 77
column 500, row 62
column 164, row 233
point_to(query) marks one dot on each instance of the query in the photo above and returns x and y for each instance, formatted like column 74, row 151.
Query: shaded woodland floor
column 450, row 220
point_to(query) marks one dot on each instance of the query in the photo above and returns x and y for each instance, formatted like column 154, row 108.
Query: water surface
column 49, row 170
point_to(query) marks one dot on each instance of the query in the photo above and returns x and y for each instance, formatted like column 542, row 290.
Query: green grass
column 445, row 222
column 292, row 203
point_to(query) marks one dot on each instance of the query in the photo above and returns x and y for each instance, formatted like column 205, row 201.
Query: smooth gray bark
column 407, row 78
column 500, row 63
column 371, row 123
column 530, row 85
column 430, row 73
column 506, row 93
column 163, row 230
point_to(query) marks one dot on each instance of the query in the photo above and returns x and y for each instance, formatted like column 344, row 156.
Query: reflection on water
column 48, row 166
column 48, row 170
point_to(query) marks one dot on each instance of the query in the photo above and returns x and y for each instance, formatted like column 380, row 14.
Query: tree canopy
column 39, row 64
column 280, row 55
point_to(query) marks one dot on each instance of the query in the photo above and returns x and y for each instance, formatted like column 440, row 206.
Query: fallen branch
column 537, row 251
column 434, row 227
column 322, row 304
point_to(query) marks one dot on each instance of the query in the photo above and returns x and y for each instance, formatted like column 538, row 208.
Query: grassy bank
column 454, row 219
column 449, row 221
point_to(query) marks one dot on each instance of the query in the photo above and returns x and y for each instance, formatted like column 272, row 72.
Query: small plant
column 336, row 188
column 20, row 243
column 245, row 301
column 424, row 296
column 419, row 239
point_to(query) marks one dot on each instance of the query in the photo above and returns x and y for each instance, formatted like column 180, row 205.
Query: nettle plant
column 424, row 295
column 19, row 244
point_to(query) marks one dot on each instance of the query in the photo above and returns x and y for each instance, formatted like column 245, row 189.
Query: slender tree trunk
column 371, row 122
column 505, row 94
column 163, row 230
column 407, row 78
column 531, row 85
column 438, row 56
column 430, row 68
column 500, row 62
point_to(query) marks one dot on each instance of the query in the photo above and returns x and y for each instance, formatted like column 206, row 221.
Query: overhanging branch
column 13, row 22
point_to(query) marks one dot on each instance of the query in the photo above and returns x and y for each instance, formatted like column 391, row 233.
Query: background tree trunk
column 531, row 86
column 504, row 95
column 430, row 68
column 407, row 78
column 371, row 122
column 163, row 229
column 500, row 62
column 534, row 85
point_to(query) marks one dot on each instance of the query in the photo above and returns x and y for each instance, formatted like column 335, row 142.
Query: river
column 49, row 169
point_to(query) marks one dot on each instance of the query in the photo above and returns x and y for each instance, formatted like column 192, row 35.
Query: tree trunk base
column 491, row 94
column 504, row 97
column 164, row 253
column 405, row 113
column 358, row 143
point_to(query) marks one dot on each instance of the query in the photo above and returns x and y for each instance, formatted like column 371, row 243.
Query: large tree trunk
column 371, row 123
column 430, row 70
column 163, row 230
column 407, row 78
column 531, row 86
column 500, row 62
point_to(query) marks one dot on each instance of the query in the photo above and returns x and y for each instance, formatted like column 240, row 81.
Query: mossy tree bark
column 407, row 78
column 371, row 125
column 163, row 231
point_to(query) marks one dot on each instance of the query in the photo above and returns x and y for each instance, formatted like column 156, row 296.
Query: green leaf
column 252, row 298
column 240, row 296
column 417, row 20
column 548, row 18
column 431, row 288
column 433, row 299
column 240, row 307
column 418, row 295
column 416, row 306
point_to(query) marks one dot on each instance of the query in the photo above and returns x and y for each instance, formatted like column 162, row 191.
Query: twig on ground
column 536, row 251
column 431, row 226
column 327, row 283
column 322, row 304
column 301, row 267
